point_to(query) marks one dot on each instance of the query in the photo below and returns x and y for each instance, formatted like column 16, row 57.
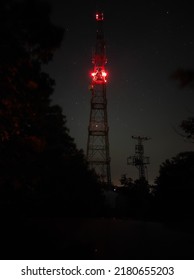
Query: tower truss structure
column 139, row 160
column 98, row 154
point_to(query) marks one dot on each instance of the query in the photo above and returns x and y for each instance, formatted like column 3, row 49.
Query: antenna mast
column 98, row 142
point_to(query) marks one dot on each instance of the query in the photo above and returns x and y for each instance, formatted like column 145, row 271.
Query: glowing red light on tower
column 99, row 16
column 104, row 74
column 99, row 76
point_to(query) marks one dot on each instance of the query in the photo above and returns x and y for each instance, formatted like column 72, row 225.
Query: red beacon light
column 99, row 76
column 99, row 16
column 104, row 74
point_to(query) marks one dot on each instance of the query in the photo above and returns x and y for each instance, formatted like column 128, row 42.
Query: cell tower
column 139, row 160
column 98, row 141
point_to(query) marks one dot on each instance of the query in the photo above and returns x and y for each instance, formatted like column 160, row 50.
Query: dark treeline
column 169, row 200
column 41, row 170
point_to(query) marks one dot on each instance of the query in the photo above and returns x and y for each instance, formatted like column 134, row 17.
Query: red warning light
column 104, row 74
column 99, row 16
column 99, row 76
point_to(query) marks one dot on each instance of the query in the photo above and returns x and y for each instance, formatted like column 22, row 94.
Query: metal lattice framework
column 98, row 142
column 139, row 160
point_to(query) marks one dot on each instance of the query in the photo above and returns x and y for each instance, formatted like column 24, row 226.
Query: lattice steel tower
column 139, row 160
column 98, row 141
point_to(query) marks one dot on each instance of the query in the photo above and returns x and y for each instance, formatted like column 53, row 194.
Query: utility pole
column 139, row 160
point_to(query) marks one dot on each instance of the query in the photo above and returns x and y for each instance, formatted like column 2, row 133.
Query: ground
column 98, row 238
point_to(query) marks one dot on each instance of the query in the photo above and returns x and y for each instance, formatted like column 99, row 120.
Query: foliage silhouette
column 133, row 199
column 186, row 79
column 175, row 187
column 42, row 171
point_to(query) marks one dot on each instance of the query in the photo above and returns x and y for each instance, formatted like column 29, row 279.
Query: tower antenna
column 98, row 142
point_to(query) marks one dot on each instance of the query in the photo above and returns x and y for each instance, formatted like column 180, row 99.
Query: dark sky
column 146, row 42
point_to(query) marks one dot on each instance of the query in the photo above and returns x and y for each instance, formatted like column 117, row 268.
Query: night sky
column 146, row 42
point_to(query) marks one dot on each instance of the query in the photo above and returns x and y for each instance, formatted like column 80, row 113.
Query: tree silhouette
column 39, row 161
column 175, row 188
column 186, row 79
column 188, row 127
column 125, row 181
